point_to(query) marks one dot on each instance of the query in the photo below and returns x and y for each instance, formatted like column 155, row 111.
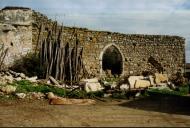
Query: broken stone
column 142, row 83
column 21, row 95
column 152, row 80
column 22, row 75
column 8, row 89
column 93, row 87
column 171, row 86
column 9, row 79
column 132, row 80
column 161, row 78
column 162, row 84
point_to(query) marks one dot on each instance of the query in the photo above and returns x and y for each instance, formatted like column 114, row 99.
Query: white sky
column 165, row 17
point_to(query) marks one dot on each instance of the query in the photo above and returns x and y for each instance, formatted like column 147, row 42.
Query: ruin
column 123, row 54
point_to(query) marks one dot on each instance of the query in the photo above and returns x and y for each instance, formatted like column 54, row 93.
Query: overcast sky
column 165, row 17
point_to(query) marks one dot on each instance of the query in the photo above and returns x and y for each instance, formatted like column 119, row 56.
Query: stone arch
column 102, row 54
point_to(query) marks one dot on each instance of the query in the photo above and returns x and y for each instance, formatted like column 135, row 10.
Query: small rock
column 50, row 95
column 9, row 79
column 137, row 94
column 18, row 79
column 21, row 95
column 8, row 89
column 107, row 95
column 22, row 75
column 32, row 79
column 48, row 82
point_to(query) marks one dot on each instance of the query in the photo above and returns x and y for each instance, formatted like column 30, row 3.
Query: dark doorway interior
column 112, row 60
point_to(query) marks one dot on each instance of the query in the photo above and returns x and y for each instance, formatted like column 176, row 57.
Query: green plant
column 122, row 95
column 95, row 94
column 182, row 90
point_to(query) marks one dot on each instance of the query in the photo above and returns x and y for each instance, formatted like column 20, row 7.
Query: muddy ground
column 139, row 112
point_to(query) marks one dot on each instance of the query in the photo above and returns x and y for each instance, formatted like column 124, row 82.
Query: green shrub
column 95, row 94
column 77, row 94
column 122, row 95
column 29, row 65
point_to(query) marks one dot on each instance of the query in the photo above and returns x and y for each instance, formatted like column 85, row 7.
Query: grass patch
column 180, row 91
column 25, row 86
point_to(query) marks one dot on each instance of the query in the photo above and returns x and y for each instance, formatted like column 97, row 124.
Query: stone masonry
column 16, row 32
column 136, row 50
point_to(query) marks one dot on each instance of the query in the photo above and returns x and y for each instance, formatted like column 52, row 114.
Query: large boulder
column 142, row 83
column 132, row 80
column 93, row 87
column 8, row 89
column 161, row 78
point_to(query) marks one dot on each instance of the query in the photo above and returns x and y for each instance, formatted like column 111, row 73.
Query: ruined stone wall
column 16, row 32
column 168, row 51
column 19, row 31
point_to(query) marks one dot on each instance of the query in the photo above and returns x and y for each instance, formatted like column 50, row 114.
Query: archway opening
column 112, row 60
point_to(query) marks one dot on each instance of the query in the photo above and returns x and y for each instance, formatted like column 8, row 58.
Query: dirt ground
column 139, row 112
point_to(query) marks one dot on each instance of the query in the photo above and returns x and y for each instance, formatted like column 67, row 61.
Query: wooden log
column 53, row 80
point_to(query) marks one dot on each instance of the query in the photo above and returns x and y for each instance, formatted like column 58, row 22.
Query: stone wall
column 168, row 51
column 24, row 24
column 16, row 32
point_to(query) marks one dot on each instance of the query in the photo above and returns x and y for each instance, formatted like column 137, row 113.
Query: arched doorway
column 111, row 58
